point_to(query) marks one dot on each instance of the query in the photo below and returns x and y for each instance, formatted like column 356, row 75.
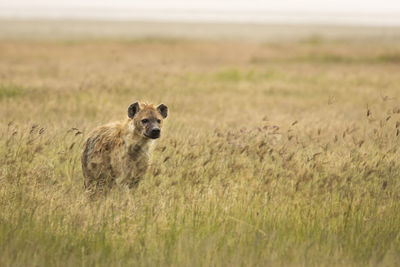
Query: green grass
column 281, row 162
column 9, row 92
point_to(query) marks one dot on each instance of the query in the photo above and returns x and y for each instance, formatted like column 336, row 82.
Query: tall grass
column 284, row 161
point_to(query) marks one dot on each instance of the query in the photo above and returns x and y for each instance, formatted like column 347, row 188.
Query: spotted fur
column 120, row 152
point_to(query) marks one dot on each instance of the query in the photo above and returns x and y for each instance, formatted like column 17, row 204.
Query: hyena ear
column 163, row 109
column 133, row 109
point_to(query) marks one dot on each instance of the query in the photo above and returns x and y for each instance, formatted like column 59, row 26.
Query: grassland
column 278, row 153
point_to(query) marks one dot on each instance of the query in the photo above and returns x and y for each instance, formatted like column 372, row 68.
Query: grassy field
column 275, row 153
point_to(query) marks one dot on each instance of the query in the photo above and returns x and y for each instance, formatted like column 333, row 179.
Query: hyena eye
column 158, row 121
column 145, row 121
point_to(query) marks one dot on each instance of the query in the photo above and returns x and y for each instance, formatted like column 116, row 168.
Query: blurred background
column 208, row 13
column 355, row 12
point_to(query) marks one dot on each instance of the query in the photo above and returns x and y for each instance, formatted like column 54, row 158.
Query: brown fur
column 120, row 152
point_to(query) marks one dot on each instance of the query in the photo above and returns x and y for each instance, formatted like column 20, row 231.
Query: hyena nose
column 155, row 132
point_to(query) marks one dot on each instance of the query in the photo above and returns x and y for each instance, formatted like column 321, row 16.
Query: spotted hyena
column 120, row 152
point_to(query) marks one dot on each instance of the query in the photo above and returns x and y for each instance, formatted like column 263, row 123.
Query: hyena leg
column 129, row 179
column 99, row 180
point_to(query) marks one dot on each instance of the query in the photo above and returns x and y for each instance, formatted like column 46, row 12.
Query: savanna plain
column 274, row 153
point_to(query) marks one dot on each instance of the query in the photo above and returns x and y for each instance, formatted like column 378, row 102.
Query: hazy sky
column 338, row 11
column 291, row 5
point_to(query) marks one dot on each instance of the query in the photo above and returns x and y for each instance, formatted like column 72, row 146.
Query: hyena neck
column 136, row 143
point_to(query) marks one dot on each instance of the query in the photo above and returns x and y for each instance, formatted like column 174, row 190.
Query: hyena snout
column 154, row 132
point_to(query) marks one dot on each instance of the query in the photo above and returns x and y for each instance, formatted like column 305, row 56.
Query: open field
column 281, row 153
column 36, row 29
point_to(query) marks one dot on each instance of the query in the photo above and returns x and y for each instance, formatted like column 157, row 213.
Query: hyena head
column 147, row 119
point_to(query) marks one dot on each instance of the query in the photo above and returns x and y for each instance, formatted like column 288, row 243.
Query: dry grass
column 273, row 153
